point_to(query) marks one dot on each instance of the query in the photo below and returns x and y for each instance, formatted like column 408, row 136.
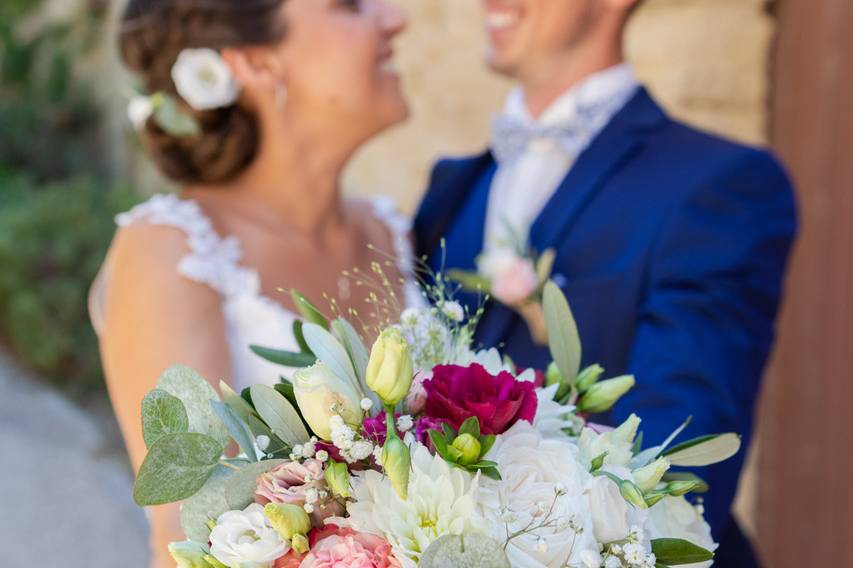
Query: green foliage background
column 57, row 200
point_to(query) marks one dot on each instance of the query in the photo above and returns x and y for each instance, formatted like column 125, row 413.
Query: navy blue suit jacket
column 671, row 248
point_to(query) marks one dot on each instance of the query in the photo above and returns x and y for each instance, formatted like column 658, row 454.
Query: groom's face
column 524, row 33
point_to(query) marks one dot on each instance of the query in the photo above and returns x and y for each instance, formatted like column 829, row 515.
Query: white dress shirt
column 523, row 186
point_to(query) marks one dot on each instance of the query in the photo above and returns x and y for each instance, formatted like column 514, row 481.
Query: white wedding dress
column 216, row 261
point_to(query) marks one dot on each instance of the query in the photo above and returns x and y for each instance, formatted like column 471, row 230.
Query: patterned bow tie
column 511, row 136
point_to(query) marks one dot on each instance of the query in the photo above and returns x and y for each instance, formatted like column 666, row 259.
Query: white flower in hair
column 204, row 80
column 139, row 110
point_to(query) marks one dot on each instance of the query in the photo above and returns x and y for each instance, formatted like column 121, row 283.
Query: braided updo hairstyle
column 153, row 34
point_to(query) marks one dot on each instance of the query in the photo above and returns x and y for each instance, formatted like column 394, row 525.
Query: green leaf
column 492, row 473
column 195, row 393
column 588, row 377
column 162, row 414
column 279, row 415
column 237, row 403
column 285, row 358
column 563, row 338
column 448, row 431
column 703, row 451
column 674, row 551
column 330, row 351
column 486, row 443
column 470, row 281
column 241, row 485
column 701, row 487
column 237, row 427
column 174, row 120
column 439, row 442
column 308, row 310
column 638, row 444
column 259, row 428
column 545, row 265
column 471, row 426
column 176, row 467
column 205, row 505
column 300, row 339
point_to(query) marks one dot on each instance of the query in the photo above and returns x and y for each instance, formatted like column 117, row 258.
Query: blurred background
column 776, row 73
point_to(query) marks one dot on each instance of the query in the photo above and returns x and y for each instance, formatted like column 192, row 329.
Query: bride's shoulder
column 382, row 210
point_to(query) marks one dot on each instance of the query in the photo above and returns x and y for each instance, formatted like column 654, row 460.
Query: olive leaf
column 674, row 551
column 206, row 505
column 279, row 414
column 563, row 338
column 237, row 427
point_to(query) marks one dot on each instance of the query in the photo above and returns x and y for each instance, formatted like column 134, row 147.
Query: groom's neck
column 545, row 82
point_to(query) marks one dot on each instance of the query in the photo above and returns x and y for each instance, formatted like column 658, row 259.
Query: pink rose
column 292, row 482
column 513, row 278
column 347, row 548
column 455, row 394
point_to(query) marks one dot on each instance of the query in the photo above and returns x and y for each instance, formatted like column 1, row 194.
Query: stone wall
column 705, row 60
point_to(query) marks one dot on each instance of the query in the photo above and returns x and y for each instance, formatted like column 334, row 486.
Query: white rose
column 534, row 471
column 675, row 517
column 612, row 515
column 204, row 80
column 246, row 537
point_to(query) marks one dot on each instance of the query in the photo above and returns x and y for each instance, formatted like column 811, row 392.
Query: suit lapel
column 616, row 144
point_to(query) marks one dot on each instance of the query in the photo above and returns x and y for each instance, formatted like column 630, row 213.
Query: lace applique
column 212, row 260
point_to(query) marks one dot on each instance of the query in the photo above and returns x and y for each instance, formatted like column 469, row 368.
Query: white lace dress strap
column 400, row 226
column 212, row 260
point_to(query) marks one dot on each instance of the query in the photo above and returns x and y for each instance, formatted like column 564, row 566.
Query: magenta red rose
column 457, row 393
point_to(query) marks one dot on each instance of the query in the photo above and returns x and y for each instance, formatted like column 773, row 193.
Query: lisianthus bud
column 288, row 520
column 679, row 488
column 397, row 461
column 322, row 394
column 552, row 375
column 299, row 543
column 649, row 476
column 337, row 479
column 466, row 449
column 632, row 494
column 189, row 554
column 588, row 377
column 602, row 396
column 390, row 370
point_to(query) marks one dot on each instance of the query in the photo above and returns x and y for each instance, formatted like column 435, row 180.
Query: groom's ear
column 257, row 67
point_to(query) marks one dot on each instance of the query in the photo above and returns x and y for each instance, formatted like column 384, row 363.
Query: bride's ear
column 258, row 68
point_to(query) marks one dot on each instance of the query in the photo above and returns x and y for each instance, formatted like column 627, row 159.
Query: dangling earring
column 280, row 95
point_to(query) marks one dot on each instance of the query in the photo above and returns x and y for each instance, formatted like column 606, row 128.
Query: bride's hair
column 152, row 35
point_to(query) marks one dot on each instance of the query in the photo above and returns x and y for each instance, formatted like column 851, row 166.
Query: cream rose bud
column 321, row 394
column 204, row 80
column 243, row 537
column 602, row 396
column 390, row 370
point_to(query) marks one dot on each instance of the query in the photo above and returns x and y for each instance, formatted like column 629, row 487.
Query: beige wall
column 705, row 60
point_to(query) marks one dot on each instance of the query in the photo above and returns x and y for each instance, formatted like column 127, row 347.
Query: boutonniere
column 515, row 276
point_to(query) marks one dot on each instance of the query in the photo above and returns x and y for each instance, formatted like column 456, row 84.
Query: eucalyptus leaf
column 238, row 429
column 176, row 467
column 703, row 451
column 330, row 351
column 195, row 393
column 237, row 403
column 162, row 414
column 563, row 338
column 285, row 358
column 241, row 485
column 205, row 505
column 308, row 310
column 675, row 551
column 279, row 414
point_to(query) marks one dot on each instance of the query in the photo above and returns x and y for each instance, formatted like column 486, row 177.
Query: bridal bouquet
column 420, row 452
